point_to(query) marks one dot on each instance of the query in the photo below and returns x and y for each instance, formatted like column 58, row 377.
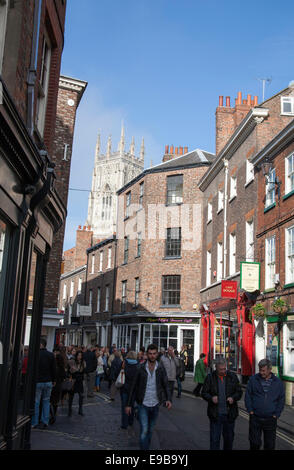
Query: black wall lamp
column 267, row 167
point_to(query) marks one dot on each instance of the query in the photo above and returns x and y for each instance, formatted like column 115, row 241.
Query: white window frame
column 80, row 285
column 98, row 299
column 249, row 240
column 270, row 262
column 93, row 264
column 288, row 348
column 284, row 100
column 3, row 21
column 43, row 89
column 64, row 291
column 107, row 297
column 289, row 173
column 128, row 203
column 141, row 195
column 233, row 187
column 109, row 257
column 90, row 298
column 219, row 272
column 208, row 267
column 270, row 189
column 220, row 200
column 249, row 172
column 289, row 253
column 232, row 257
column 101, row 261
column 209, row 212
column 137, row 290
column 72, row 285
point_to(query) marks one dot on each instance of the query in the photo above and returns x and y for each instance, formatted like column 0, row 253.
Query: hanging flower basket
column 280, row 306
column 258, row 310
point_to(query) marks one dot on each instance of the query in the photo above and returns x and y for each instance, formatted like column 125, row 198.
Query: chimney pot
column 249, row 100
column 239, row 98
column 172, row 149
column 181, row 150
column 89, row 227
column 185, row 149
column 166, row 149
column 80, row 227
column 255, row 100
column 228, row 102
column 84, row 227
column 244, row 101
column 176, row 151
column 221, row 101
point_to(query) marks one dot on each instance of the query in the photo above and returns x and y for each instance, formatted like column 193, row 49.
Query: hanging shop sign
column 85, row 311
column 250, row 276
column 229, row 289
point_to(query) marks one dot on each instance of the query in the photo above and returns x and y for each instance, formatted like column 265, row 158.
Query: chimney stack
column 221, row 101
column 181, row 151
column 228, row 102
column 185, row 149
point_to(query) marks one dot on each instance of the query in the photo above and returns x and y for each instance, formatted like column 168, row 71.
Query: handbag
column 67, row 385
column 120, row 381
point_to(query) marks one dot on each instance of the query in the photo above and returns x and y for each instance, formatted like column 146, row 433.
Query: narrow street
column 184, row 427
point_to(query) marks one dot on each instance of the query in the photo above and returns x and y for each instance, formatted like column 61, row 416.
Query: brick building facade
column 230, row 221
column 31, row 211
column 274, row 167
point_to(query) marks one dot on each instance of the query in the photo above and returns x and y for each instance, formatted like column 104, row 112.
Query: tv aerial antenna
column 264, row 81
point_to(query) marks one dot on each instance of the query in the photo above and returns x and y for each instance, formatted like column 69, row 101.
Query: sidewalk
column 285, row 422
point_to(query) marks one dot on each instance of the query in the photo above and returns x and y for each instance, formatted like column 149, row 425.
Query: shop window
column 288, row 369
column 270, row 262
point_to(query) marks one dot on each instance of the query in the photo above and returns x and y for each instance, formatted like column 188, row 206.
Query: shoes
column 81, row 412
column 43, row 426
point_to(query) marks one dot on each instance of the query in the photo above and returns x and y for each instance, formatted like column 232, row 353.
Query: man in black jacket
column 222, row 390
column 91, row 365
column 45, row 381
column 149, row 389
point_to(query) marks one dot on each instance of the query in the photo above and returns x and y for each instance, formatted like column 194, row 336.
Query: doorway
column 134, row 339
column 189, row 337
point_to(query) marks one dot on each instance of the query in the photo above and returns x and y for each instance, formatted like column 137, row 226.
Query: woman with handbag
column 130, row 369
column 77, row 369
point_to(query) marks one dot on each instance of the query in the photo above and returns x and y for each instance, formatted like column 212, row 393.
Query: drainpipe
column 226, row 166
column 32, row 75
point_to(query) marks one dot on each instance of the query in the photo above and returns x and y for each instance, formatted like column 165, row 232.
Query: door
column 189, row 337
column 134, row 339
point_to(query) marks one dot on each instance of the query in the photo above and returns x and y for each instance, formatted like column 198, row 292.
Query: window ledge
column 266, row 209
column 219, row 211
column 232, row 198
column 172, row 257
column 248, row 182
column 287, row 114
column 208, row 222
column 287, row 286
column 173, row 204
column 270, row 289
column 170, row 306
column 288, row 195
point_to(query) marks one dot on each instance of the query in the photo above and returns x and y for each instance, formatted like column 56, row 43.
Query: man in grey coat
column 171, row 364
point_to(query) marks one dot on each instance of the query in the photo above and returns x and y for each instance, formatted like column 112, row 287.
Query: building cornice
column 254, row 117
column 74, row 272
column 73, row 84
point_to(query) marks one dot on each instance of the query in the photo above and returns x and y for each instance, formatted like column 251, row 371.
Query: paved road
column 184, row 427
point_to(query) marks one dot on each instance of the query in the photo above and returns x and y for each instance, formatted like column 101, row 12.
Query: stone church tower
column 111, row 171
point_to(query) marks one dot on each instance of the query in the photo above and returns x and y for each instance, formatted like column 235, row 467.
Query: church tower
column 112, row 170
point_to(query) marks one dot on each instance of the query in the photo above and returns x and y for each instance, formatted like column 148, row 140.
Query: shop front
column 137, row 331
column 228, row 331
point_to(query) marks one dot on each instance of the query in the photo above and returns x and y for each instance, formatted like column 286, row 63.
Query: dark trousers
column 267, row 426
column 147, row 419
column 171, row 385
column 179, row 386
column 219, row 427
column 70, row 399
column 125, row 419
column 197, row 390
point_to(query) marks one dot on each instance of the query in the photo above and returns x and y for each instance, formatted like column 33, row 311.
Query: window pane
column 174, row 189
column 173, row 331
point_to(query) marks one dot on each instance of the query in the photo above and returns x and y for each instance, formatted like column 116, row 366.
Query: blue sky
column 160, row 66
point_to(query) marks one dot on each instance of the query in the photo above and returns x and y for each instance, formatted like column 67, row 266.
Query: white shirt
column 151, row 398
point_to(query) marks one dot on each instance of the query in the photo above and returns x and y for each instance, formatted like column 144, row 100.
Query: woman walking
column 130, row 368
column 114, row 371
column 77, row 369
column 99, row 370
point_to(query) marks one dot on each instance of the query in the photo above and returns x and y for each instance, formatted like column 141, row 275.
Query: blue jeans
column 43, row 390
column 98, row 379
column 218, row 427
column 147, row 418
column 125, row 419
column 179, row 386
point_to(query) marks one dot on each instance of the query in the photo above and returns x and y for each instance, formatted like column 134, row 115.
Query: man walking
column 222, row 390
column 264, row 401
column 91, row 366
column 199, row 375
column 149, row 389
column 45, row 381
column 171, row 364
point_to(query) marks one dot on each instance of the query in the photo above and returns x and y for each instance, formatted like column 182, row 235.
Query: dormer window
column 287, row 105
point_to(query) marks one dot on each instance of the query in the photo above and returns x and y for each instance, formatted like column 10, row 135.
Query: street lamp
column 266, row 167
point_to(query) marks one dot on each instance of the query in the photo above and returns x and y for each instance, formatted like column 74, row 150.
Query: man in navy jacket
column 264, row 400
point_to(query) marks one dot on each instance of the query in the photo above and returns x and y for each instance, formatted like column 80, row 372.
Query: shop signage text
column 229, row 289
column 172, row 320
column 250, row 276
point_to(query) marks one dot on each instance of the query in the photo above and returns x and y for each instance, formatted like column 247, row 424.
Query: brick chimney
column 170, row 152
column 84, row 240
column 227, row 119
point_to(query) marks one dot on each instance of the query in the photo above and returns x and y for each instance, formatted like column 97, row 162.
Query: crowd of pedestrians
column 147, row 379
